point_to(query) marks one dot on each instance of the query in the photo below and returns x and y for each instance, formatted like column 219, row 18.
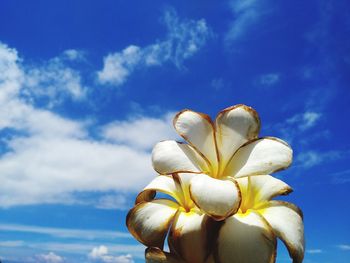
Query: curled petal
column 162, row 183
column 191, row 236
column 217, row 198
column 149, row 222
column 198, row 129
column 173, row 157
column 246, row 238
column 156, row 255
column 257, row 189
column 260, row 156
column 235, row 126
column 287, row 223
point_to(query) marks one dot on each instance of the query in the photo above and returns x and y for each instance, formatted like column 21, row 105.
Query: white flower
column 249, row 236
column 220, row 153
column 150, row 220
column 223, row 210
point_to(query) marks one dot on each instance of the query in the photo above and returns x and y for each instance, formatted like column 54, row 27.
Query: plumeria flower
column 190, row 231
column 250, row 235
column 219, row 153
column 221, row 208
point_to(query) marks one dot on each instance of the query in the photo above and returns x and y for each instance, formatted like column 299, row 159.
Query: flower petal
column 149, row 222
column 235, row 126
column 260, row 156
column 162, row 183
column 198, row 130
column 217, row 198
column 184, row 179
column 191, row 236
column 257, row 189
column 156, row 255
column 171, row 157
column 245, row 238
column 286, row 221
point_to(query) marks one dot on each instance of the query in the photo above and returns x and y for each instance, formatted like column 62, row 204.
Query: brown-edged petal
column 173, row 157
column 198, row 130
column 286, row 221
column 260, row 156
column 235, row 126
column 164, row 184
column 217, row 198
column 191, row 236
column 149, row 222
column 156, row 255
column 246, row 238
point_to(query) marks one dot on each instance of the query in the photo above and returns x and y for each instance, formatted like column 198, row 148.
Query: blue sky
column 88, row 87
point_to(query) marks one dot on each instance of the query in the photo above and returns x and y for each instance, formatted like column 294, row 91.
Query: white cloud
column 54, row 79
column 116, row 201
column 49, row 258
column 62, row 232
column 100, row 254
column 305, row 120
column 49, row 158
column 140, row 132
column 314, row 251
column 97, row 252
column 344, row 247
column 73, row 55
column 312, row 158
column 183, row 40
column 269, row 79
column 118, row 66
column 298, row 125
column 247, row 14
column 52, row 168
column 12, row 243
column 85, row 248
column 218, row 84
column 21, row 251
column 341, row 177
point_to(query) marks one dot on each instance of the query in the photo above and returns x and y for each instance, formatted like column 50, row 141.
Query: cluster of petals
column 221, row 207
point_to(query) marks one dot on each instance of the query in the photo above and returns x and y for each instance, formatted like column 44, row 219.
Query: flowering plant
column 220, row 207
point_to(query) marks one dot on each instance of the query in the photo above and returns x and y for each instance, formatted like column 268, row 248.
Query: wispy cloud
column 247, row 13
column 49, row 258
column 298, row 124
column 312, row 158
column 88, row 251
column 344, row 247
column 54, row 80
column 101, row 254
column 184, row 39
column 62, row 232
column 268, row 79
column 341, row 177
column 304, row 120
column 314, row 251
column 12, row 243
